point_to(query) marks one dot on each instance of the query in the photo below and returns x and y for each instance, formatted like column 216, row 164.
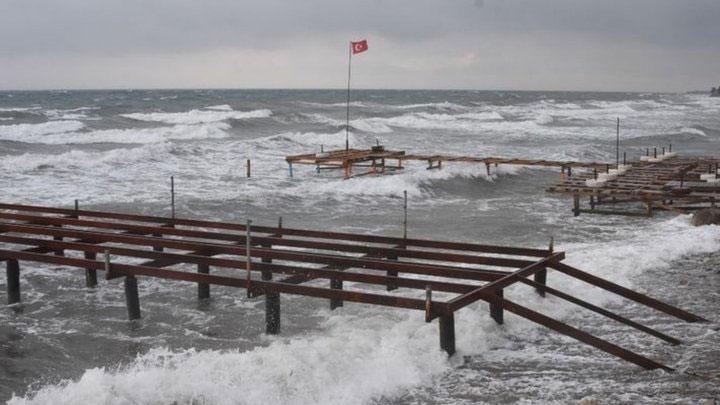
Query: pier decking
column 377, row 161
column 658, row 181
column 437, row 278
column 662, row 182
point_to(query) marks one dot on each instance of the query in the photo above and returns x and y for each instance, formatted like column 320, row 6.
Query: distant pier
column 659, row 180
column 363, row 162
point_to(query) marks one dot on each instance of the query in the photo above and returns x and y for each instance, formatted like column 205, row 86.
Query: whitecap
column 198, row 116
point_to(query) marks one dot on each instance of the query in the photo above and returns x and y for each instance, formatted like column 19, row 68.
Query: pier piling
column 447, row 333
column 172, row 196
column 90, row 274
column 496, row 307
column 13, row 281
column 203, row 288
column 132, row 299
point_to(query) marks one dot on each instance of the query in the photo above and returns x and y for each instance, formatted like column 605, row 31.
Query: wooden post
column 248, row 256
column 487, row 169
column 172, row 196
column 132, row 300
column 248, row 168
column 203, row 288
column 405, row 214
column 336, row 284
column 496, row 307
column 157, row 248
column 649, row 209
column 569, row 171
column 290, row 169
column 576, row 205
column 272, row 298
column 90, row 274
column 428, row 303
column 592, row 202
column 13, row 281
column 447, row 333
column 541, row 276
column 617, row 144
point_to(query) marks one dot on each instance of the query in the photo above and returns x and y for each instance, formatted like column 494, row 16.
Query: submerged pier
column 362, row 162
column 434, row 277
column 659, row 181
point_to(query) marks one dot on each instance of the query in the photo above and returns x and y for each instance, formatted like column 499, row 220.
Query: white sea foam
column 312, row 139
column 423, row 120
column 198, row 116
column 445, row 105
column 18, row 109
column 134, row 136
column 695, row 131
column 33, row 132
column 69, row 114
column 222, row 107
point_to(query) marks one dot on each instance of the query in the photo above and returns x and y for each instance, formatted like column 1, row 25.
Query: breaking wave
column 130, row 136
column 34, row 132
column 198, row 116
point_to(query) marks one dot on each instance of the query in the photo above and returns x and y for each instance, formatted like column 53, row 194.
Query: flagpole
column 347, row 111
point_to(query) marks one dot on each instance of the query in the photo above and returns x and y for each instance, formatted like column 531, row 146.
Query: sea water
column 116, row 150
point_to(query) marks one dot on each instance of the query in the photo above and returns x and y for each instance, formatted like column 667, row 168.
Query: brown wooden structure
column 678, row 184
column 434, row 277
column 380, row 161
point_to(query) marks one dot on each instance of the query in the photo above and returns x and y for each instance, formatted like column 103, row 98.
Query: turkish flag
column 360, row 46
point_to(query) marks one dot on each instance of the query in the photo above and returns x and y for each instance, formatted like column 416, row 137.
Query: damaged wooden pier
column 437, row 278
column 659, row 181
column 377, row 160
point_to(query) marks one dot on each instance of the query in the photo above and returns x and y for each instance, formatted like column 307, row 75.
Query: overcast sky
column 638, row 45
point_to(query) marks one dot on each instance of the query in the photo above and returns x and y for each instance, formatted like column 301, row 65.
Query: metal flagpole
column 347, row 111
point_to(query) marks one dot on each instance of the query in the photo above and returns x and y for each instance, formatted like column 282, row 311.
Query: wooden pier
column 436, row 278
column 659, row 182
column 362, row 162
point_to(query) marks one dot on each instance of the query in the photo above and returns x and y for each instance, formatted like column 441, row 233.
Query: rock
column 706, row 216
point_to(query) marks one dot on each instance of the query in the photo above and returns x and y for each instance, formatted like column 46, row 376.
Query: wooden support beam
column 272, row 298
column 132, row 299
column 627, row 293
column 90, row 274
column 496, row 306
column 336, row 284
column 541, row 278
column 576, row 205
column 584, row 337
column 13, row 281
column 447, row 333
column 203, row 288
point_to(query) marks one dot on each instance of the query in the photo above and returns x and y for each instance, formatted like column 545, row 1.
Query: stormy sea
column 116, row 151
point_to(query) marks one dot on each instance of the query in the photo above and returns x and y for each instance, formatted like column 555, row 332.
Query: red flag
column 360, row 46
